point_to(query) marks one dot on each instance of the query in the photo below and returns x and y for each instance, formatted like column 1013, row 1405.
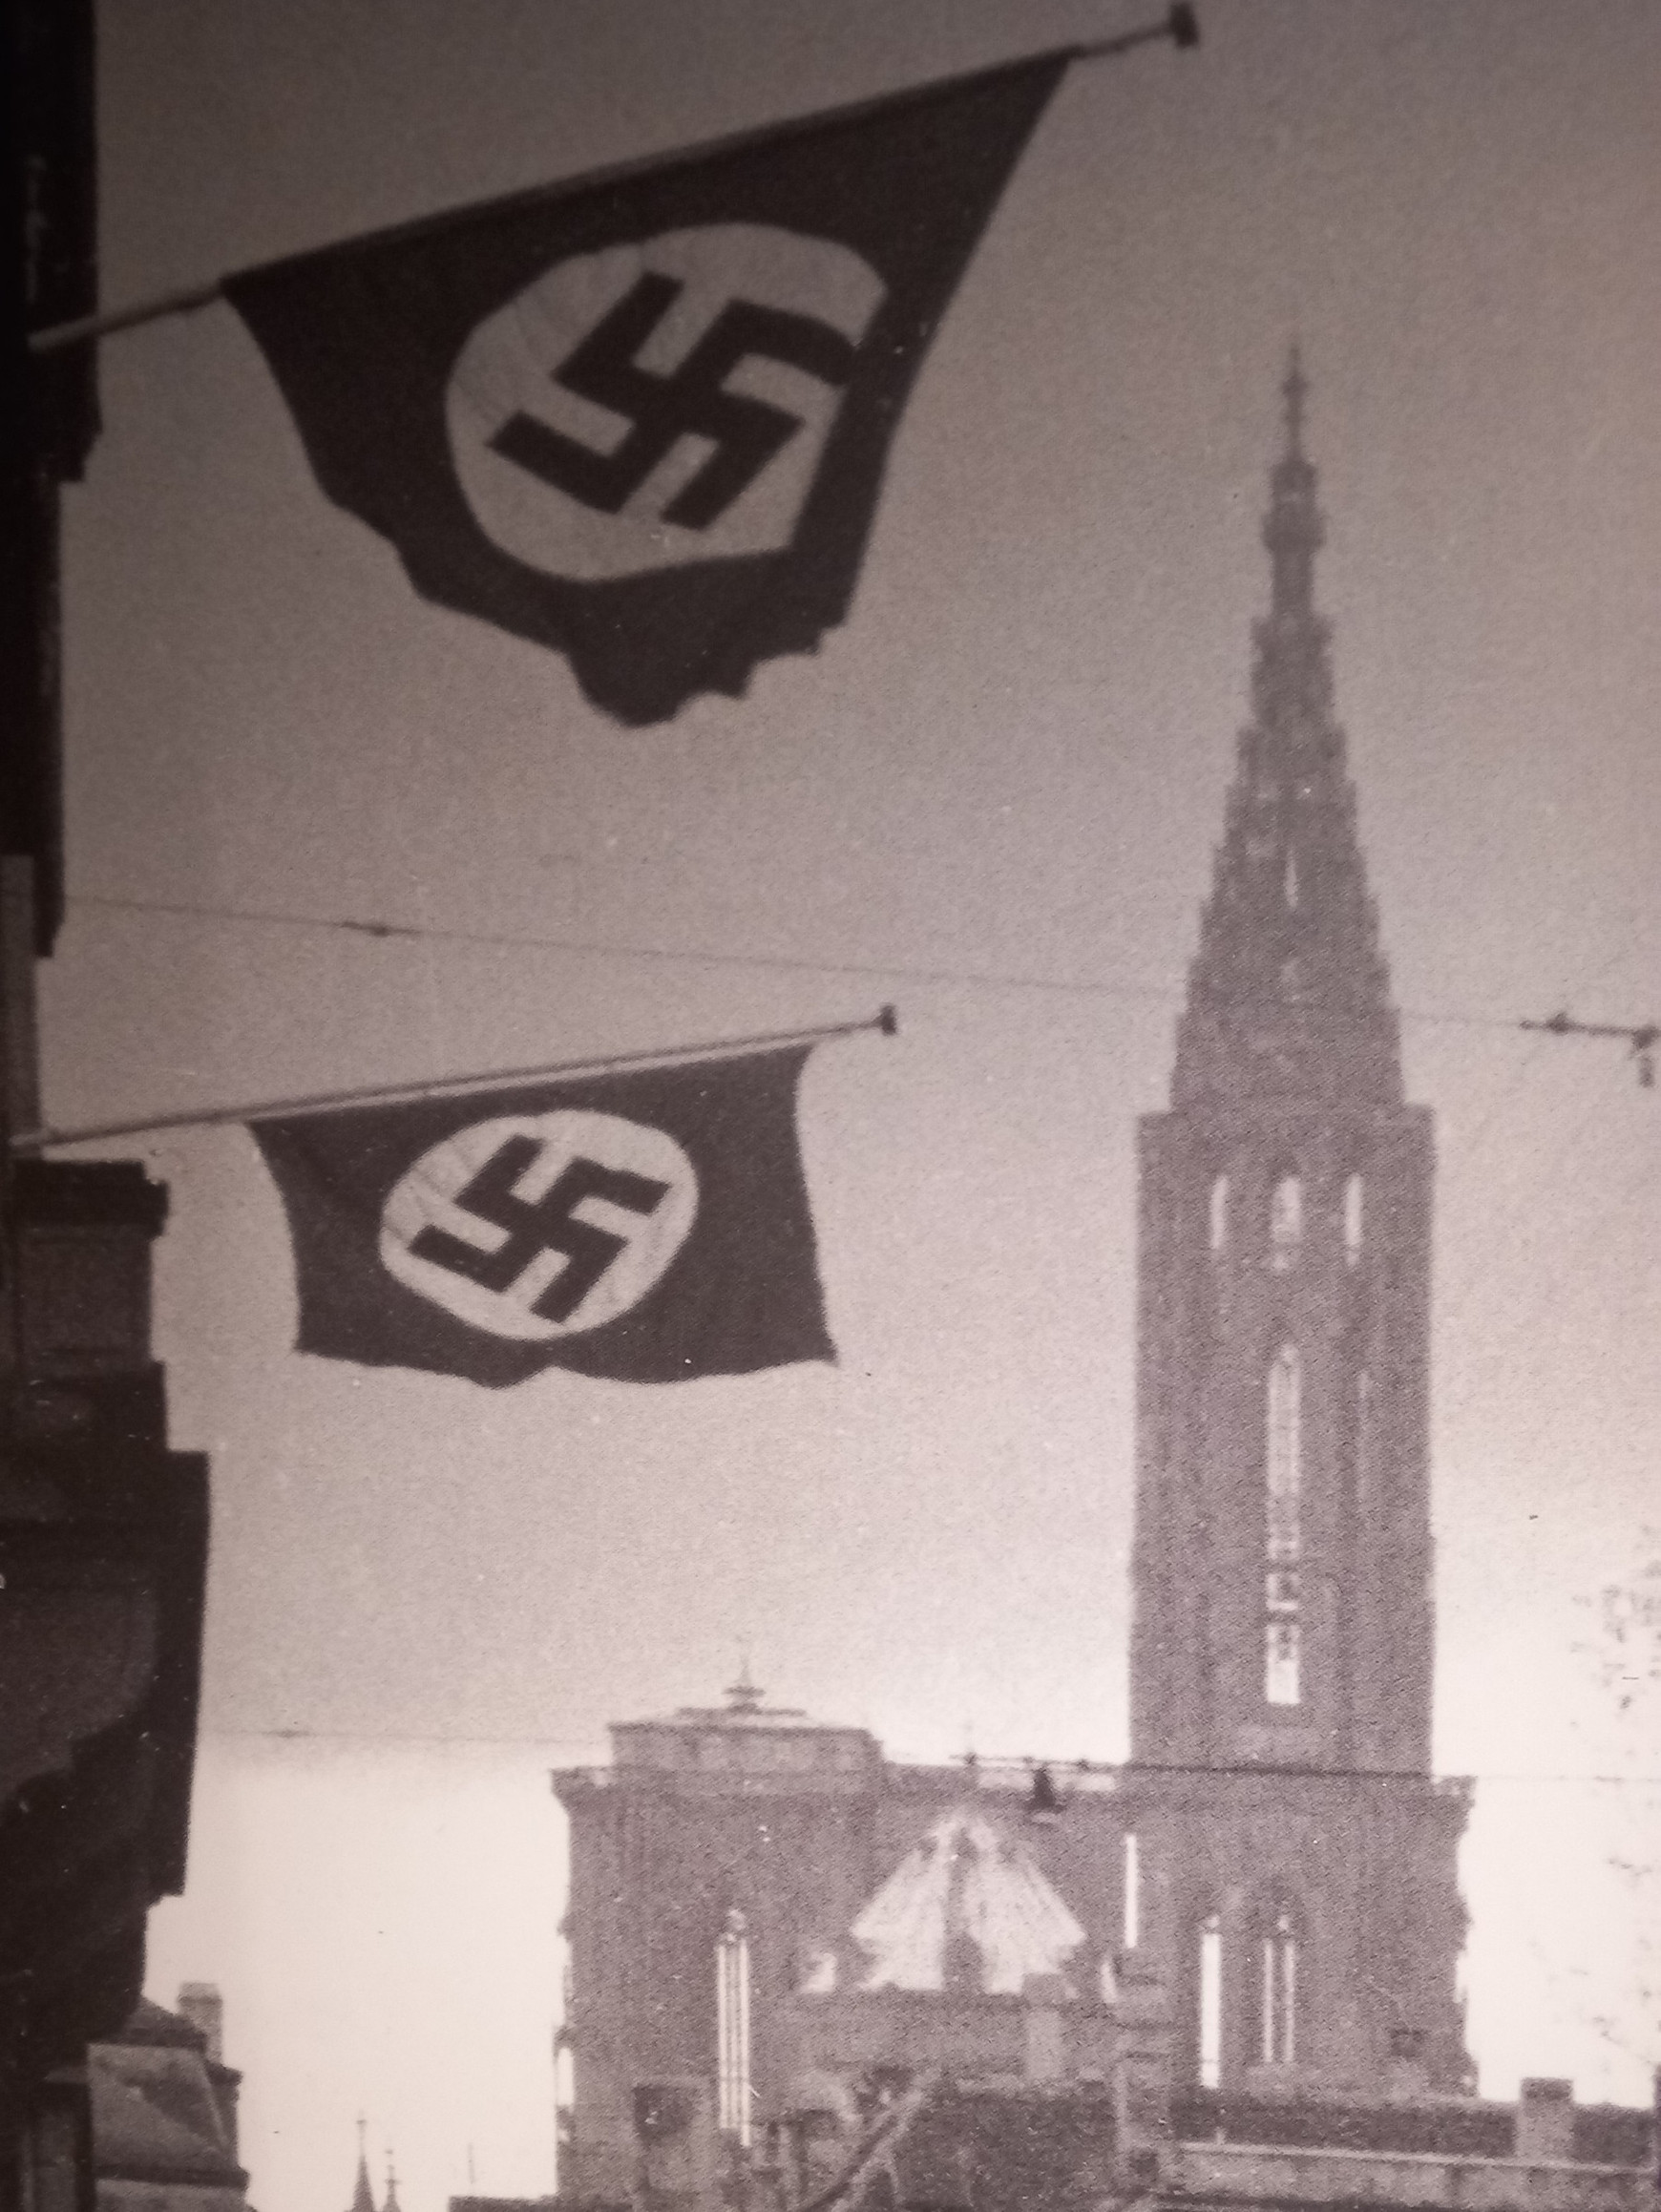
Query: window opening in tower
column 1279, row 2042
column 1132, row 1929
column 1217, row 1220
column 1285, row 1223
column 1283, row 1488
column 1355, row 1199
column 1211, row 2002
column 732, row 2095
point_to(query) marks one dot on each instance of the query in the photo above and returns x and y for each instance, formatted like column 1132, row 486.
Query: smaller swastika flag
column 643, row 418
column 649, row 1227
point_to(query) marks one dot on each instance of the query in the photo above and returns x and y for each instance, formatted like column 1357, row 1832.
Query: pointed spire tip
column 1295, row 390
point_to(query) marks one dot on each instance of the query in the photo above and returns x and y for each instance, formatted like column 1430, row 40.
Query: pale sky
column 992, row 796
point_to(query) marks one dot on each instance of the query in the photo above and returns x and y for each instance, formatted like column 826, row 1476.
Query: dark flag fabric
column 648, row 1227
column 645, row 419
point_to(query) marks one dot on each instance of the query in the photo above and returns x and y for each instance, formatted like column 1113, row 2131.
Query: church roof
column 1288, row 995
column 969, row 1908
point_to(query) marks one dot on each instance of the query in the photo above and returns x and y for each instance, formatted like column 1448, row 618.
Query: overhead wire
column 1523, row 1203
column 1059, row 1767
column 897, row 971
column 1453, row 1302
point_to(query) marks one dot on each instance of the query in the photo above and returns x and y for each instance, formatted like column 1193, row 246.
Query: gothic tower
column 1281, row 1651
column 763, row 1906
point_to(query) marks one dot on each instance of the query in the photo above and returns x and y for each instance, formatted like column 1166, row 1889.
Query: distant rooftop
column 745, row 1707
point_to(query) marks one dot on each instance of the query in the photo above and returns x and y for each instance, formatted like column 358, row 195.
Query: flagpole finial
column 1181, row 25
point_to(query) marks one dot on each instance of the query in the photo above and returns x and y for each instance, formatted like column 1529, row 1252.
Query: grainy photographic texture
column 324, row 834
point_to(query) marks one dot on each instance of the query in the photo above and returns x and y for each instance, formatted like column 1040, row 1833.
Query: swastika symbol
column 689, row 401
column 532, row 1226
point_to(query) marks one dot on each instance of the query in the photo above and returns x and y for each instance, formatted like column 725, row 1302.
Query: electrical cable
column 897, row 971
column 1059, row 1768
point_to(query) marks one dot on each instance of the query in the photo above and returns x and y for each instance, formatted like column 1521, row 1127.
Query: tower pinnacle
column 362, row 2196
column 1294, row 391
column 1293, row 529
column 1288, row 994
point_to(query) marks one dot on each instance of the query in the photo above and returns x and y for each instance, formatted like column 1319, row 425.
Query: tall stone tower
column 1281, row 1650
column 770, row 1920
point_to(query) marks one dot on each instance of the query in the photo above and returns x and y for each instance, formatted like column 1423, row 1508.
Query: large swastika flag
column 650, row 1226
column 643, row 418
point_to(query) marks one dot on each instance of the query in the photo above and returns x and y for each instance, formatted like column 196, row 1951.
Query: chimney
column 1044, row 1999
column 1544, row 2121
column 202, row 2006
column 1142, row 2070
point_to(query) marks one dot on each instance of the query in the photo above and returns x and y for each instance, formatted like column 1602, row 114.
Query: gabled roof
column 155, row 2119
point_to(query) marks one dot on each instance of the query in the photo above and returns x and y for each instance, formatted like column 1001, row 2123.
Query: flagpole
column 181, row 303
column 885, row 1022
column 1179, row 24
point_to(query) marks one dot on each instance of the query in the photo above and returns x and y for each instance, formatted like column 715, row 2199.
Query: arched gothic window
column 1283, row 1453
column 1366, row 1444
column 732, row 2076
column 1283, row 1531
column 1355, row 1198
column 1209, row 2023
column 1277, row 1996
column 1217, row 1213
column 1285, row 1223
column 1282, row 1639
column 1132, row 1929
column 564, row 2100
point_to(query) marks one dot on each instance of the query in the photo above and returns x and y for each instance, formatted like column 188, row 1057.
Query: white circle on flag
column 532, row 1226
column 599, row 507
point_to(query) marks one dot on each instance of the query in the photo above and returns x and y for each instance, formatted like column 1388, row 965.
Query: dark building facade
column 164, row 2111
column 768, row 1919
column 103, row 1528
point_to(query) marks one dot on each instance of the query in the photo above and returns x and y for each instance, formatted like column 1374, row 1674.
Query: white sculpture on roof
column 968, row 1908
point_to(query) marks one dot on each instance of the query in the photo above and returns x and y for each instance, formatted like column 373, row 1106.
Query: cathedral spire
column 362, row 2196
column 1289, row 995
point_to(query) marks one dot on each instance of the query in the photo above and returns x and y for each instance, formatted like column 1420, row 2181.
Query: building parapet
column 1283, row 2175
